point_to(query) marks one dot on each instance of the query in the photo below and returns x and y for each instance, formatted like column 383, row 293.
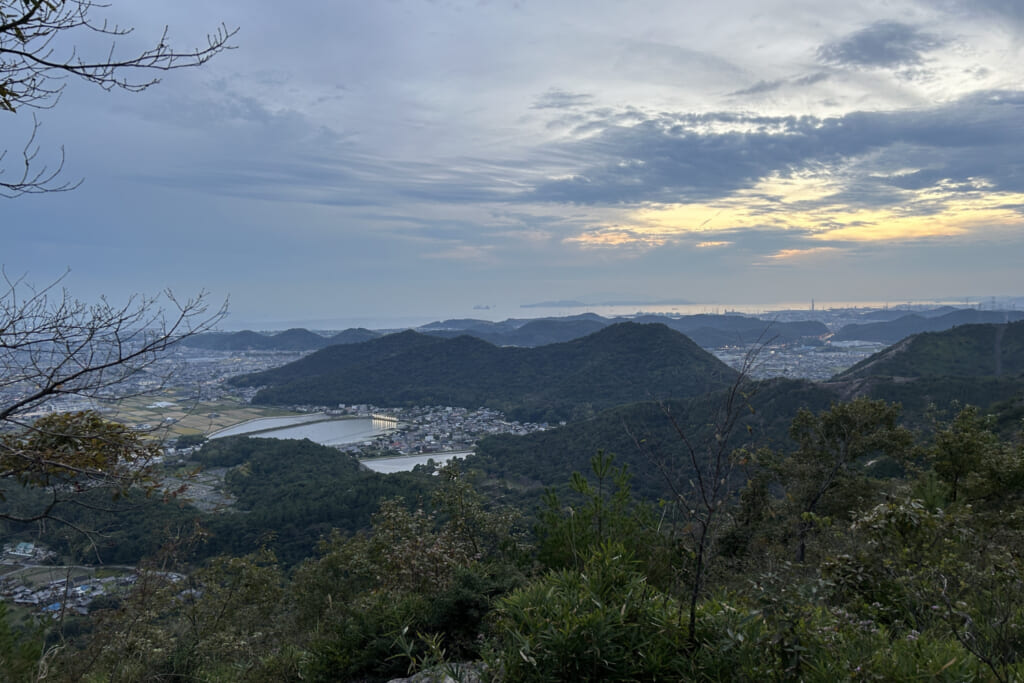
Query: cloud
column 788, row 254
column 759, row 88
column 885, row 44
column 763, row 87
column 812, row 211
column 669, row 157
column 674, row 158
column 1001, row 11
column 667, row 61
column 636, row 239
column 562, row 99
column 811, row 79
column 854, row 178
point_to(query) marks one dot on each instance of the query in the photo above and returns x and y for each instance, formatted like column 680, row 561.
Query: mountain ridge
column 983, row 350
column 708, row 330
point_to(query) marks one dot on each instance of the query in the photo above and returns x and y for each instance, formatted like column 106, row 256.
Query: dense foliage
column 853, row 551
column 637, row 431
column 289, row 495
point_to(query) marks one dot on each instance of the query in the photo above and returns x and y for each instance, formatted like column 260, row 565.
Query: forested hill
column 619, row 364
column 980, row 365
column 335, row 360
column 644, row 437
column 538, row 332
column 715, row 331
column 926, row 373
column 965, row 351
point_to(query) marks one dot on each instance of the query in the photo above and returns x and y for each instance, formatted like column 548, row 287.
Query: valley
column 633, row 428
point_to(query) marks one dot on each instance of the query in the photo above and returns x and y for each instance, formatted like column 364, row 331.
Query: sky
column 402, row 161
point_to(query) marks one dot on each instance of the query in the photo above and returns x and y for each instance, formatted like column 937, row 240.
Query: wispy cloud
column 636, row 239
column 790, row 254
column 764, row 87
column 562, row 99
column 461, row 252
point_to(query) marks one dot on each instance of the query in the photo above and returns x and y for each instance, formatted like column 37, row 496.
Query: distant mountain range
column 708, row 331
column 296, row 339
column 892, row 330
column 618, row 364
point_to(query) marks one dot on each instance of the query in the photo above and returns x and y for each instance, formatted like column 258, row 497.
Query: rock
column 462, row 672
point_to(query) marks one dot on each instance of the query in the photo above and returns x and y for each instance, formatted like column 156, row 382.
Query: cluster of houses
column 56, row 596
column 434, row 429
column 72, row 592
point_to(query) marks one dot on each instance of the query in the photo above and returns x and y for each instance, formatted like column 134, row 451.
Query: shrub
column 602, row 623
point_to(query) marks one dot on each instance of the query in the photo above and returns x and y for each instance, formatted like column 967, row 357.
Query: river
column 405, row 463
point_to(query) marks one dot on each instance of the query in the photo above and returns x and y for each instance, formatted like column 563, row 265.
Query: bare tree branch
column 701, row 490
column 38, row 55
column 34, row 178
column 54, row 348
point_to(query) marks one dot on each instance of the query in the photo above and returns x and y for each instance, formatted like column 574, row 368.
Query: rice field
column 167, row 415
